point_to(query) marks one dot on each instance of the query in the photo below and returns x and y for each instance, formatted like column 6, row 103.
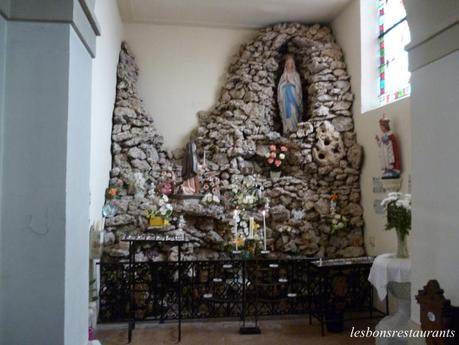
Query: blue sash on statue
column 290, row 100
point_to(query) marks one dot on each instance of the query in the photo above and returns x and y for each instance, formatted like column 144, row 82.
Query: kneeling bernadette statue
column 190, row 170
column 290, row 96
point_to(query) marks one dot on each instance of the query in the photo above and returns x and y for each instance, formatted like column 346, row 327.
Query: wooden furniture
column 438, row 315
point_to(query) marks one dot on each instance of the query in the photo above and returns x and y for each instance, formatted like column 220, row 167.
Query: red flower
column 284, row 148
column 272, row 147
column 277, row 163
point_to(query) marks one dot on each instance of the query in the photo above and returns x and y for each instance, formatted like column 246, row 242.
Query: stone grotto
column 323, row 159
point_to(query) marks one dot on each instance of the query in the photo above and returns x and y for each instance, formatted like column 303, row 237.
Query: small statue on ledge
column 190, row 170
column 290, row 96
column 388, row 150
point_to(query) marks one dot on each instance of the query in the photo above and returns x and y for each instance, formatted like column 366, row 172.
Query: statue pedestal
column 391, row 184
column 401, row 319
column 392, row 274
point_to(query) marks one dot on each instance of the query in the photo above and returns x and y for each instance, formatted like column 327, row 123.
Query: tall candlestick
column 264, row 230
column 235, row 227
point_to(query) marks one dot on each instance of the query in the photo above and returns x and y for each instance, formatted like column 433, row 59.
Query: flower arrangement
column 166, row 185
column 211, row 188
column 162, row 213
column 398, row 209
column 109, row 209
column 246, row 195
column 276, row 156
column 209, row 199
column 244, row 242
column 111, row 193
column 335, row 220
column 136, row 184
column 333, row 200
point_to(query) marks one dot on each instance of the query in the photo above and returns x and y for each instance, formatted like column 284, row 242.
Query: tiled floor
column 274, row 332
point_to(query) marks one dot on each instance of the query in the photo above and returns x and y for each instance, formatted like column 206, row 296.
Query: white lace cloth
column 388, row 268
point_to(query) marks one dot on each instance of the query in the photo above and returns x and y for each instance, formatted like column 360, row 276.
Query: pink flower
column 166, row 188
column 272, row 147
column 273, row 154
column 270, row 160
column 284, row 148
column 277, row 163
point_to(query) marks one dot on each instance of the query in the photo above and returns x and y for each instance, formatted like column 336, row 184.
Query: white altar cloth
column 388, row 268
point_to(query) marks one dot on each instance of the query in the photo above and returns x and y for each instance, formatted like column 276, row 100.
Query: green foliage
column 398, row 218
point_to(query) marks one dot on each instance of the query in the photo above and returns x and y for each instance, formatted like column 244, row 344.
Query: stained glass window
column 394, row 35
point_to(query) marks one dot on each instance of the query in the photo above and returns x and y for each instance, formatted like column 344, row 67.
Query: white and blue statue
column 290, row 96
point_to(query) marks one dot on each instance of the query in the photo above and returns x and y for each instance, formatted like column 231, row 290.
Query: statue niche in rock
column 190, row 170
column 290, row 96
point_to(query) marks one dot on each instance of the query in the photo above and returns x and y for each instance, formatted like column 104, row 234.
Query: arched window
column 394, row 35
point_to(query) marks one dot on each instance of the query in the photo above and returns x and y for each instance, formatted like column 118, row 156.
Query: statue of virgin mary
column 290, row 96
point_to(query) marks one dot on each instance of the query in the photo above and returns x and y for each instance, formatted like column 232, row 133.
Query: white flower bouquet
column 398, row 209
column 163, row 209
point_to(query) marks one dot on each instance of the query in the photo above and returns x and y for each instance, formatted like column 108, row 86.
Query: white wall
column 435, row 117
column 354, row 32
column 3, row 36
column 181, row 71
column 435, row 171
column 103, row 99
column 77, row 193
column 33, row 193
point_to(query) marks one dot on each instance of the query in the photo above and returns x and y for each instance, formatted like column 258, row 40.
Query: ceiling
column 229, row 13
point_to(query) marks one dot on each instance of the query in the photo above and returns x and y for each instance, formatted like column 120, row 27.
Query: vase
column 158, row 221
column 275, row 175
column 402, row 247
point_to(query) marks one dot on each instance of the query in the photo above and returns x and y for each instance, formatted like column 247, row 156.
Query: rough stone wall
column 324, row 157
column 137, row 147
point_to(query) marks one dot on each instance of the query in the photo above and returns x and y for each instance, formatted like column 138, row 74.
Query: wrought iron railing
column 214, row 288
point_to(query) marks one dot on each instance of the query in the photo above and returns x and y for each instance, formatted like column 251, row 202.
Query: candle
column 264, row 229
column 235, row 222
column 235, row 227
column 251, row 227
